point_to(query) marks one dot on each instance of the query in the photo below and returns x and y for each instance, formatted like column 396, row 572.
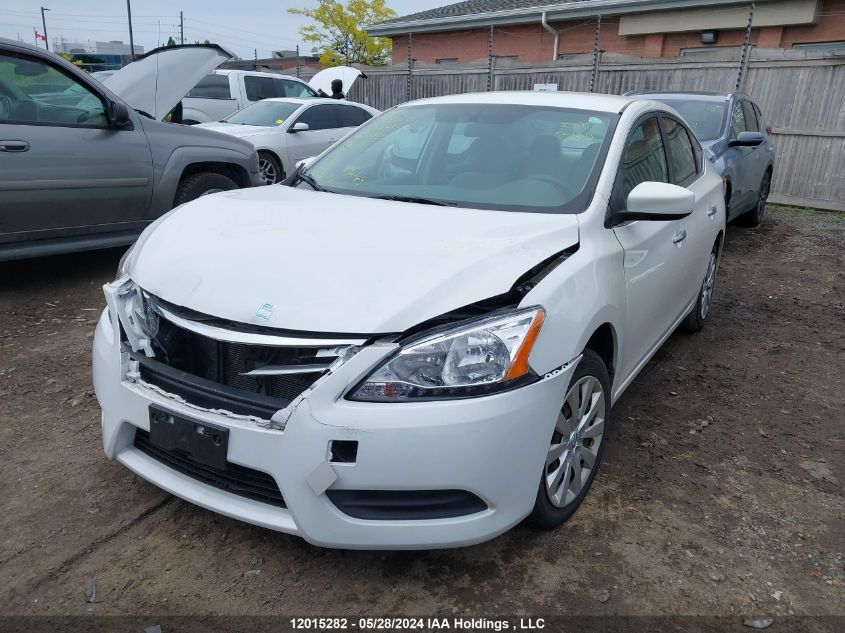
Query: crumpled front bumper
column 493, row 447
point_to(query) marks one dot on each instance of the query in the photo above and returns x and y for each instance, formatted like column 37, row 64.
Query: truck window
column 212, row 87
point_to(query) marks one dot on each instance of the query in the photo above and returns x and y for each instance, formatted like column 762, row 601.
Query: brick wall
column 531, row 43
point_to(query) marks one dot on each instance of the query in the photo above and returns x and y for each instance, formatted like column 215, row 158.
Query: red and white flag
column 38, row 36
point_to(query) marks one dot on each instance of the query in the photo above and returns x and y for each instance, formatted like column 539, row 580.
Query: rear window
column 705, row 118
column 212, row 87
column 258, row 88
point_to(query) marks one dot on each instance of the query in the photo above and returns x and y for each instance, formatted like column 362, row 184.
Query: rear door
column 654, row 252
column 64, row 170
column 350, row 116
column 323, row 130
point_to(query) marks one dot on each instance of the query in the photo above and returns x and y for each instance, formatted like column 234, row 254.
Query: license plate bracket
column 205, row 443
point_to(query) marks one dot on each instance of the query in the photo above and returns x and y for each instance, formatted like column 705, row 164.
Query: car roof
column 575, row 100
column 688, row 94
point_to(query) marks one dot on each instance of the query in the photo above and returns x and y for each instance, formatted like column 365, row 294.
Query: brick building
column 542, row 30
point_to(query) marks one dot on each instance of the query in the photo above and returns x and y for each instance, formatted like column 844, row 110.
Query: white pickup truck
column 224, row 92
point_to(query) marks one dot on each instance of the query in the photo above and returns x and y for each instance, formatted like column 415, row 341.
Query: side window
column 296, row 89
column 258, row 88
column 212, row 87
column 750, row 118
column 681, row 152
column 352, row 116
column 737, row 120
column 644, row 160
column 319, row 117
column 33, row 91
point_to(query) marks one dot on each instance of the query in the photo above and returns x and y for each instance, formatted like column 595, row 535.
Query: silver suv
column 88, row 165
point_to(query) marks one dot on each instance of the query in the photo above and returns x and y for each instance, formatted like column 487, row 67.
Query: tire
column 556, row 503
column 695, row 319
column 754, row 217
column 201, row 183
column 270, row 168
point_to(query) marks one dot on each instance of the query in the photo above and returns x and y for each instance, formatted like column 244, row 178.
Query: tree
column 339, row 33
column 170, row 41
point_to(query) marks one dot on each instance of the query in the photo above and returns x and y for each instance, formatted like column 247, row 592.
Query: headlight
column 477, row 359
column 141, row 319
column 123, row 264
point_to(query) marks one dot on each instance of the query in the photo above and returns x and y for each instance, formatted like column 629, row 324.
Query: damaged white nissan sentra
column 416, row 342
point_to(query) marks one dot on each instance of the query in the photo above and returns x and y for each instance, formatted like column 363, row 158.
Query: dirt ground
column 721, row 490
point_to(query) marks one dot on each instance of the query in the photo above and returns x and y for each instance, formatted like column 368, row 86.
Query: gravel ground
column 721, row 491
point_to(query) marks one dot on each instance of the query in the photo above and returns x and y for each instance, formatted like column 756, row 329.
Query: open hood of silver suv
column 155, row 82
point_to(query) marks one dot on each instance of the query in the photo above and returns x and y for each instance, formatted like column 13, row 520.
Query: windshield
column 704, row 117
column 264, row 113
column 492, row 156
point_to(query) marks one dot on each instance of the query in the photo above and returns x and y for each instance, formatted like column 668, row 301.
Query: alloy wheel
column 707, row 286
column 764, row 194
column 575, row 443
column 268, row 171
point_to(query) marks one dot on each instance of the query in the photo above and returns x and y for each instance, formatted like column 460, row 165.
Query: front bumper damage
column 488, row 449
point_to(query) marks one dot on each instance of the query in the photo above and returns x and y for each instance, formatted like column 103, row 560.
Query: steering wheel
column 554, row 182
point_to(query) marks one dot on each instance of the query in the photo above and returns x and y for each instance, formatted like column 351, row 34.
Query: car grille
column 236, row 479
column 225, row 362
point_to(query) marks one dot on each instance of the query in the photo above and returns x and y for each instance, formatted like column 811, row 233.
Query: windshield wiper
column 415, row 199
column 301, row 175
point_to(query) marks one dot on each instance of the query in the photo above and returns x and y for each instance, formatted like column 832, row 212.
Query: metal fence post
column 744, row 54
column 410, row 65
column 490, row 59
column 596, row 57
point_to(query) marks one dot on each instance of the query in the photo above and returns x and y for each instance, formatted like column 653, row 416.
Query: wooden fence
column 801, row 94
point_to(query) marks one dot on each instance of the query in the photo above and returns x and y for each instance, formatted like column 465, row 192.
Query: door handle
column 13, row 146
column 679, row 237
column 711, row 211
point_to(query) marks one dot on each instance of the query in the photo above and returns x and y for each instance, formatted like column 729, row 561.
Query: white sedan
column 288, row 130
column 418, row 342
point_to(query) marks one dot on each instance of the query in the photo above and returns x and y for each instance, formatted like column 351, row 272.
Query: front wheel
column 200, row 184
column 270, row 169
column 695, row 319
column 576, row 447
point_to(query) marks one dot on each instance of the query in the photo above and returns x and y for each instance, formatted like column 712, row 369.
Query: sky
column 240, row 26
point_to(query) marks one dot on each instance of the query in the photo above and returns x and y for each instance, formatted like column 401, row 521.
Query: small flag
column 38, row 36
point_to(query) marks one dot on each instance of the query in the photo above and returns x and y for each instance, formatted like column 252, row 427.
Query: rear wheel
column 202, row 183
column 754, row 217
column 576, row 447
column 695, row 319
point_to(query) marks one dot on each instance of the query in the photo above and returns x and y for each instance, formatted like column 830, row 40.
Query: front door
column 654, row 270
column 65, row 171
column 322, row 131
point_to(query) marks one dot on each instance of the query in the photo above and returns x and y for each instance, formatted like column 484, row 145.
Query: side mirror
column 747, row 139
column 658, row 201
column 119, row 115
column 298, row 127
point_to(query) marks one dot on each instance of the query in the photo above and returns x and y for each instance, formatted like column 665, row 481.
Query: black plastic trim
column 406, row 505
column 207, row 393
column 234, row 478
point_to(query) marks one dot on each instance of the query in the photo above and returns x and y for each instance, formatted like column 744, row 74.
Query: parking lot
column 721, row 490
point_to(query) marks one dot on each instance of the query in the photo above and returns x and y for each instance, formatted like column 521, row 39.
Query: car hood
column 323, row 79
column 234, row 129
column 307, row 261
column 155, row 82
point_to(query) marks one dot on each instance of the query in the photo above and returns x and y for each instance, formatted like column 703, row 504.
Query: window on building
column 721, row 51
column 508, row 58
column 448, row 61
column 820, row 46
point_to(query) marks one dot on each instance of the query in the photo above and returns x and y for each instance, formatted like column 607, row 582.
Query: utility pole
column 490, row 59
column 596, row 57
column 181, row 28
column 131, row 39
column 410, row 64
column 746, row 53
column 298, row 65
column 255, row 59
column 44, row 25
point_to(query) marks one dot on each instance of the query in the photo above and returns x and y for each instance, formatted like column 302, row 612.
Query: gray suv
column 86, row 165
column 732, row 127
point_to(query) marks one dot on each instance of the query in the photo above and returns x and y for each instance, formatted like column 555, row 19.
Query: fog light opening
column 343, row 451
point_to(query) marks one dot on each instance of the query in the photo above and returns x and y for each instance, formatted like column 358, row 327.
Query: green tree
column 170, row 41
column 338, row 32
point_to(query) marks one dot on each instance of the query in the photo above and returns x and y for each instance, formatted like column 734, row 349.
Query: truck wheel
column 576, row 446
column 270, row 169
column 202, row 183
